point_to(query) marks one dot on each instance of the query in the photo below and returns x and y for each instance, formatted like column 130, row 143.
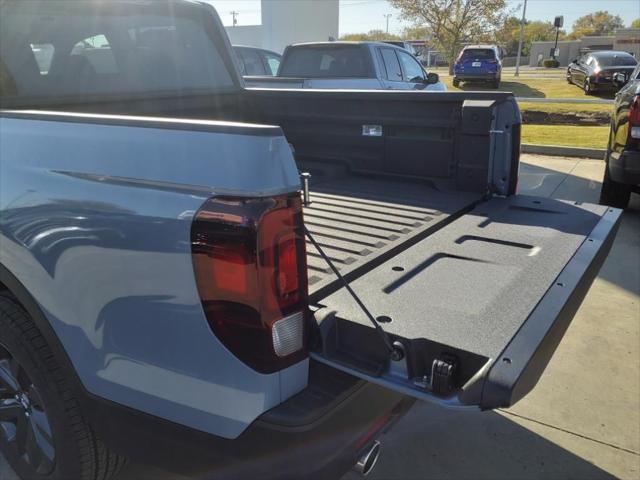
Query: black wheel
column 588, row 88
column 43, row 434
column 495, row 84
column 456, row 82
column 613, row 193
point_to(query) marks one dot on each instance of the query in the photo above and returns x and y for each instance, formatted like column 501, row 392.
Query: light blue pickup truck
column 168, row 295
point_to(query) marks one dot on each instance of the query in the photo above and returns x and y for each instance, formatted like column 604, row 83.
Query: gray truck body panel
column 96, row 216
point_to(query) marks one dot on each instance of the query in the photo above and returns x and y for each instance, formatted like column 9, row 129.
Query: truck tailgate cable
column 396, row 353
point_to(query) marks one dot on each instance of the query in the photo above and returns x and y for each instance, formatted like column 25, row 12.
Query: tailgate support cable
column 396, row 352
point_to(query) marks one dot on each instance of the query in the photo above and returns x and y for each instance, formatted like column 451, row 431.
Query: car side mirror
column 432, row 79
column 575, row 60
column 620, row 79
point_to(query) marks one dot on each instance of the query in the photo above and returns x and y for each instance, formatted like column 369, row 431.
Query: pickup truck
column 168, row 295
column 350, row 65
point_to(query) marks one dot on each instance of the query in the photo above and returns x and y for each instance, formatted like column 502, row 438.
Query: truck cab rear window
column 327, row 62
column 69, row 50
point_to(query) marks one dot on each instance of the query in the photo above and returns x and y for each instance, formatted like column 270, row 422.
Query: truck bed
column 360, row 221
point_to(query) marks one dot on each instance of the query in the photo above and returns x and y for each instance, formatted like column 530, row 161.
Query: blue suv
column 478, row 63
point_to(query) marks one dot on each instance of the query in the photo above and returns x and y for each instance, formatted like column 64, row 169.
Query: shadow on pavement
column 434, row 443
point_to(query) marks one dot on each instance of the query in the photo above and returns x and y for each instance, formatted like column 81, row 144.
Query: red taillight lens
column 250, row 267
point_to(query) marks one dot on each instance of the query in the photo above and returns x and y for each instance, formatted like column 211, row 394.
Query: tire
column 588, row 88
column 614, row 194
column 56, row 442
column 456, row 82
column 495, row 84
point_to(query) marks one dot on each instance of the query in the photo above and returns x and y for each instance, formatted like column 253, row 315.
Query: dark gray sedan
column 594, row 71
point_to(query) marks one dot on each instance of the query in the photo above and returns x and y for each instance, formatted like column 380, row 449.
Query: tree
column 454, row 22
column 596, row 24
column 635, row 23
column 371, row 35
column 534, row 31
column 416, row 33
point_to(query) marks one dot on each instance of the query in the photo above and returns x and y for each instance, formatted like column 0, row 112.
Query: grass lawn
column 528, row 87
column 567, row 135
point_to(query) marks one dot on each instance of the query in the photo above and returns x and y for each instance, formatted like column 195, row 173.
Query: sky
column 364, row 15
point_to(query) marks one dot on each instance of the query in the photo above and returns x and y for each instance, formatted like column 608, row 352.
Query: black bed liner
column 360, row 221
column 496, row 289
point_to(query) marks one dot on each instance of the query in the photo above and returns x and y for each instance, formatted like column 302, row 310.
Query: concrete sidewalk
column 582, row 421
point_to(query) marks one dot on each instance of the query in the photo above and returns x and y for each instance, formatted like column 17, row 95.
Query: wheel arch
column 9, row 283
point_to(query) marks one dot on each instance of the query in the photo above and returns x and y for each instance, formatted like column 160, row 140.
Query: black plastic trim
column 517, row 370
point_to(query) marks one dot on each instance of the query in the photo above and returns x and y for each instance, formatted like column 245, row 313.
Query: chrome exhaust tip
column 368, row 459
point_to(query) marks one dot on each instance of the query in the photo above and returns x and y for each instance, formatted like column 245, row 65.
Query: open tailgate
column 478, row 307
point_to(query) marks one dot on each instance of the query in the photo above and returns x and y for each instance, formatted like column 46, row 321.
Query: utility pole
column 524, row 13
column 388, row 16
column 235, row 14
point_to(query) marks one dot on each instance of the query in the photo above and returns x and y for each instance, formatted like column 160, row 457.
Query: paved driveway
column 581, row 421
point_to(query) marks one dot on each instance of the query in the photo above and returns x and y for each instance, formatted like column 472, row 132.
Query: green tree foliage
column 416, row 32
column 371, row 35
column 534, row 31
column 596, row 24
column 635, row 23
column 454, row 22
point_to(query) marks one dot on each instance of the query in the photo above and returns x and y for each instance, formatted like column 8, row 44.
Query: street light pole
column 524, row 13
column 388, row 16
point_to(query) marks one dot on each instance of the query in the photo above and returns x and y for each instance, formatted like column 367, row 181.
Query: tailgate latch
column 442, row 375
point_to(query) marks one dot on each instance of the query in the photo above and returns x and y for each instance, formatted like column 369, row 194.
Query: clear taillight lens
column 250, row 266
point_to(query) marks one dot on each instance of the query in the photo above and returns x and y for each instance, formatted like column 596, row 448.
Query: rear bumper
column 477, row 76
column 318, row 433
column 625, row 167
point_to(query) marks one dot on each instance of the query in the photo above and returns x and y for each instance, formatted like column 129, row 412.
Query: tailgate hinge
column 441, row 380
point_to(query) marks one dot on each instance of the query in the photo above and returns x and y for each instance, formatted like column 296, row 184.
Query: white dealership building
column 289, row 21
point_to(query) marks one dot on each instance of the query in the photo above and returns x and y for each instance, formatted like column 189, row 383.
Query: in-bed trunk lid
column 478, row 307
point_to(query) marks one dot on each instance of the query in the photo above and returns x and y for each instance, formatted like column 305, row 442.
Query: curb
column 562, row 151
column 587, row 101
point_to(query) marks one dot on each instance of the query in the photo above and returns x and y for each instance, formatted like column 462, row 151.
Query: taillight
column 250, row 267
column 634, row 118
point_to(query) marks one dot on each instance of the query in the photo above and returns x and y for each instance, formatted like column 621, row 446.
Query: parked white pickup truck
column 350, row 65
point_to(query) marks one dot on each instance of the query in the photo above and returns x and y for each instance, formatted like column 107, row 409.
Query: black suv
column 622, row 175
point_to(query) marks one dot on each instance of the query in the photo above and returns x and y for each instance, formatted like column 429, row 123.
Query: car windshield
column 478, row 54
column 60, row 48
column 335, row 61
column 616, row 61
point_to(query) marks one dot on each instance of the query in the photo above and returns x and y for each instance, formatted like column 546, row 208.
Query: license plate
column 476, row 64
